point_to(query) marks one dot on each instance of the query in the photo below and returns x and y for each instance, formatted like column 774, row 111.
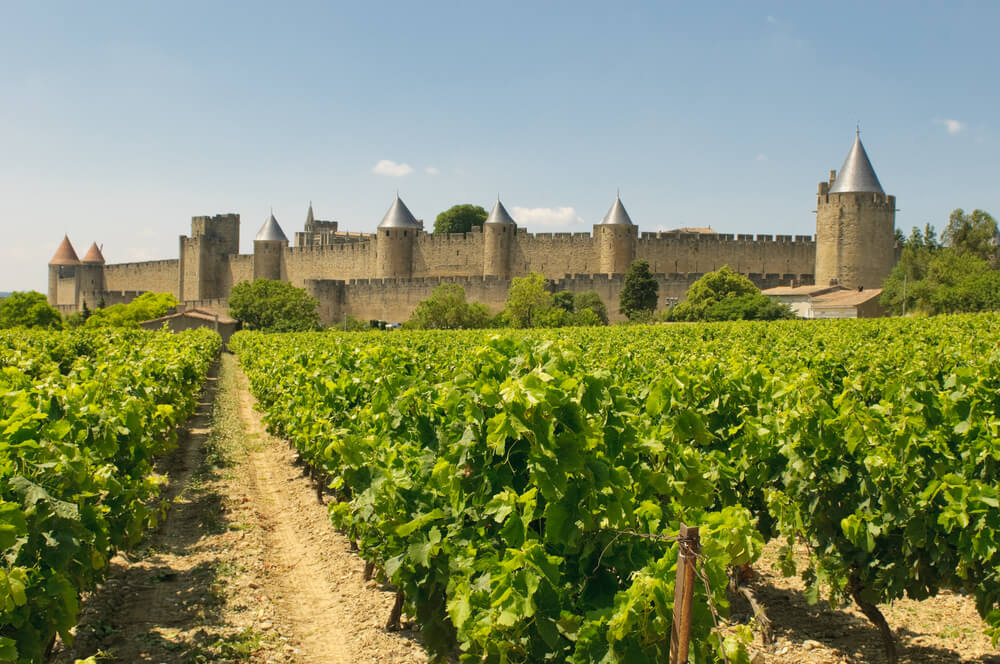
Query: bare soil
column 940, row 630
column 245, row 567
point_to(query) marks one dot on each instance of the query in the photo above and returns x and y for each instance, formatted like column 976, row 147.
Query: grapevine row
column 491, row 477
column 82, row 416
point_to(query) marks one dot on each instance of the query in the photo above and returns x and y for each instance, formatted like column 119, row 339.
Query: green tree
column 974, row 233
column 639, row 293
column 526, row 299
column 956, row 276
column 586, row 318
column 273, row 306
column 564, row 300
column 591, row 301
column 460, row 218
column 28, row 309
column 145, row 307
column 726, row 295
column 446, row 309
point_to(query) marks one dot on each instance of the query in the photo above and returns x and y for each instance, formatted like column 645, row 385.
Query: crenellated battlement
column 386, row 274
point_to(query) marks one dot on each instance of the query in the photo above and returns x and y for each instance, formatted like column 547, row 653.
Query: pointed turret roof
column 399, row 216
column 309, row 215
column 857, row 174
column 499, row 215
column 65, row 254
column 617, row 216
column 271, row 231
column 93, row 255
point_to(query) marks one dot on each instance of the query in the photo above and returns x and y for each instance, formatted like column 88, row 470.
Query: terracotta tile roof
column 199, row 314
column 846, row 298
column 800, row 290
column 65, row 254
column 94, row 255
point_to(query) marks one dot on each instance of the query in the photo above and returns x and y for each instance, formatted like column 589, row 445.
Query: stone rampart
column 156, row 276
column 681, row 252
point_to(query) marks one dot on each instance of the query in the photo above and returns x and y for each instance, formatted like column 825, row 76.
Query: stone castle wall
column 156, row 276
column 680, row 252
column 394, row 300
column 340, row 275
column 553, row 254
column 376, row 277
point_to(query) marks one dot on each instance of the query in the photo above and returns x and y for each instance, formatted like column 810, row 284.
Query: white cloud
column 430, row 170
column 953, row 126
column 391, row 168
column 560, row 216
column 136, row 254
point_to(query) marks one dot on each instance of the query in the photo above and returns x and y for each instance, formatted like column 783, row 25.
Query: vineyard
column 83, row 415
column 523, row 492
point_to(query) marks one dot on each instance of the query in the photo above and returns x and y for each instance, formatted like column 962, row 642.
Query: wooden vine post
column 687, row 558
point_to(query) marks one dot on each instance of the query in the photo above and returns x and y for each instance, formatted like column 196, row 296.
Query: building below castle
column 384, row 275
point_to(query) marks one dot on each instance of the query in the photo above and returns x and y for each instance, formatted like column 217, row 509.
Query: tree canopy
column 273, row 306
column 460, row 218
column 145, row 307
column 447, row 309
column 590, row 301
column 727, row 295
column 526, row 298
column 28, row 309
column 957, row 275
column 639, row 293
column 973, row 233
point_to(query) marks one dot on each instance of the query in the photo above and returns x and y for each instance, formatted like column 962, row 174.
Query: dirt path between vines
column 245, row 567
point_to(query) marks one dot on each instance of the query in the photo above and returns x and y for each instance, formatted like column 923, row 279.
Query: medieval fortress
column 384, row 275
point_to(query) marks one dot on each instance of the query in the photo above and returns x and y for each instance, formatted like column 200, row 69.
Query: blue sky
column 121, row 121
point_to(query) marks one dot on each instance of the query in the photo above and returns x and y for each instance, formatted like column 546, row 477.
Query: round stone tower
column 616, row 237
column 90, row 279
column 855, row 225
column 268, row 248
column 397, row 233
column 62, row 273
column 498, row 238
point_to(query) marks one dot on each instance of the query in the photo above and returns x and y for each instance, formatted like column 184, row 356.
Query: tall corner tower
column 63, row 284
column 268, row 248
column 616, row 237
column 397, row 233
column 498, row 237
column 855, row 225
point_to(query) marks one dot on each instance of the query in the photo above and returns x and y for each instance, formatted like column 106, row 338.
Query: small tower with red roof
column 63, row 274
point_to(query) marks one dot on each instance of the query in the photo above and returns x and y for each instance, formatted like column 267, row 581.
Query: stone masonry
column 386, row 274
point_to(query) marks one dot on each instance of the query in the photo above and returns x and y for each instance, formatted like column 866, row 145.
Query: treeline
column 959, row 273
column 529, row 304
column 32, row 309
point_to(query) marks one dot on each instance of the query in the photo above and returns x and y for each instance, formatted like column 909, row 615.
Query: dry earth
column 246, row 567
column 941, row 630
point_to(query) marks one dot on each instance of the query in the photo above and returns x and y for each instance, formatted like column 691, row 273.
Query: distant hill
column 3, row 295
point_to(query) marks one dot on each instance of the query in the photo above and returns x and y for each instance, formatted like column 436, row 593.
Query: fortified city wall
column 384, row 275
column 340, row 275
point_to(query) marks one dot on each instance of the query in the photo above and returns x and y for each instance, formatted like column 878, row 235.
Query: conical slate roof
column 617, row 216
column 857, row 174
column 399, row 216
column 271, row 231
column 65, row 254
column 309, row 216
column 93, row 255
column 498, row 215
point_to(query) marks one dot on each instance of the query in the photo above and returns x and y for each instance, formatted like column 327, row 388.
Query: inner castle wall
column 340, row 275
